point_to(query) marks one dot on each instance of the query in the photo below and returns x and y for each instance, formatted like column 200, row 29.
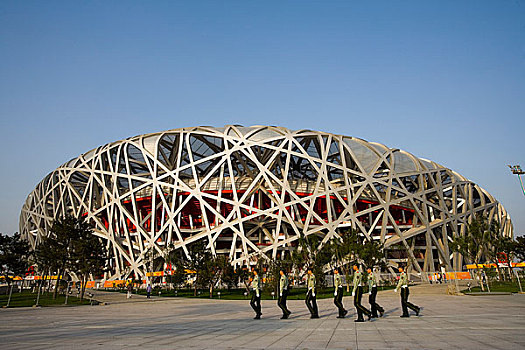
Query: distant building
column 250, row 191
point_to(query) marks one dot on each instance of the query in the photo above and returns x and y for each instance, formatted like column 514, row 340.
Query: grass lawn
column 28, row 299
column 506, row 286
column 238, row 294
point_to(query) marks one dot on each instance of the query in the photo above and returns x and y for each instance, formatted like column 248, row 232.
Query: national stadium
column 251, row 192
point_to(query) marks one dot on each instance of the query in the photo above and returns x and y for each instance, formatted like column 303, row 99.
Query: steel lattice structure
column 250, row 192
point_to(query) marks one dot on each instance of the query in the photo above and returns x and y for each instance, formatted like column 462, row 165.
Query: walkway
column 457, row 322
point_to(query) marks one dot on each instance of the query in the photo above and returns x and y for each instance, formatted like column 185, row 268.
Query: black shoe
column 288, row 313
column 258, row 317
column 417, row 311
column 359, row 320
column 381, row 313
column 340, row 316
column 369, row 317
column 374, row 316
column 314, row 316
column 345, row 312
column 404, row 316
column 284, row 317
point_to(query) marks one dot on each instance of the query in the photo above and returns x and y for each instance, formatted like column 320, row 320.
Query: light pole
column 516, row 170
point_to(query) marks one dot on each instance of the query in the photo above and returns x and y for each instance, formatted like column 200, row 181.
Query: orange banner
column 155, row 274
column 115, row 283
column 458, row 275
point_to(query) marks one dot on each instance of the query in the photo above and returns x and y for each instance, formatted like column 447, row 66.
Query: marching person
column 311, row 300
column 283, row 294
column 338, row 294
column 357, row 293
column 403, row 284
column 256, row 295
column 372, row 293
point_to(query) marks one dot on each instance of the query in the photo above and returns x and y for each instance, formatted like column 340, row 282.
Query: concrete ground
column 447, row 322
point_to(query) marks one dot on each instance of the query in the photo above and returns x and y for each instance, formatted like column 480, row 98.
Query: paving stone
column 447, row 322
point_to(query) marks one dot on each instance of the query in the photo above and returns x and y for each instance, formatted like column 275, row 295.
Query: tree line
column 72, row 249
column 69, row 249
column 204, row 271
column 482, row 239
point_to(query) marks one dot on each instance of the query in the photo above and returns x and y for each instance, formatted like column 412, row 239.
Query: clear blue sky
column 444, row 80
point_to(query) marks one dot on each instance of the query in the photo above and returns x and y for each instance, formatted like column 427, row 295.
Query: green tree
column 88, row 258
column 155, row 261
column 509, row 247
column 212, row 271
column 15, row 257
column 495, row 244
column 46, row 261
column 371, row 253
column 228, row 276
column 520, row 248
column 273, row 276
column 71, row 246
column 344, row 252
column 243, row 275
column 473, row 244
column 352, row 249
column 198, row 256
column 312, row 253
column 174, row 259
column 64, row 231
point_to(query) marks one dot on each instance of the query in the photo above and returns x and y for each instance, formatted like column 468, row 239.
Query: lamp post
column 516, row 170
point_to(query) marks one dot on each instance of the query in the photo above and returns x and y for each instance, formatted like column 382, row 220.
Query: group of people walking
column 357, row 293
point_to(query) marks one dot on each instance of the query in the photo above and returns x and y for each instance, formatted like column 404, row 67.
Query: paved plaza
column 447, row 322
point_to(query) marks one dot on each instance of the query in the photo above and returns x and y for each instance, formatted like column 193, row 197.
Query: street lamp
column 516, row 170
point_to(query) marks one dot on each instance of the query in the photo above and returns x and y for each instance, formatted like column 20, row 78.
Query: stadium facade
column 250, row 192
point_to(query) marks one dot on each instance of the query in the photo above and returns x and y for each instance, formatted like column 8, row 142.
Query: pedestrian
column 283, row 294
column 338, row 294
column 357, row 293
column 148, row 291
column 372, row 294
column 311, row 300
column 403, row 284
column 256, row 295
column 130, row 290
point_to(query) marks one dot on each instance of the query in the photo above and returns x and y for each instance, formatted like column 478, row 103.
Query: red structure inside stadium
column 193, row 216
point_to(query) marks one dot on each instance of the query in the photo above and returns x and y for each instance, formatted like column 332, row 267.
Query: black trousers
column 255, row 303
column 374, row 307
column 405, row 304
column 281, row 302
column 338, row 301
column 311, row 303
column 357, row 303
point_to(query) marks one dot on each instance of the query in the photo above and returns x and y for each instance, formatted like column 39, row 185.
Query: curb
column 475, row 294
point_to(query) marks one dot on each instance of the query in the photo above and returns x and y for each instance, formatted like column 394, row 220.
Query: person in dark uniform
column 283, row 294
column 357, row 293
column 403, row 284
column 311, row 300
column 256, row 295
column 372, row 293
column 338, row 294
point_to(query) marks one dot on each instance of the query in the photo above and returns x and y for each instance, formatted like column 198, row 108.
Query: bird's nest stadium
column 250, row 192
